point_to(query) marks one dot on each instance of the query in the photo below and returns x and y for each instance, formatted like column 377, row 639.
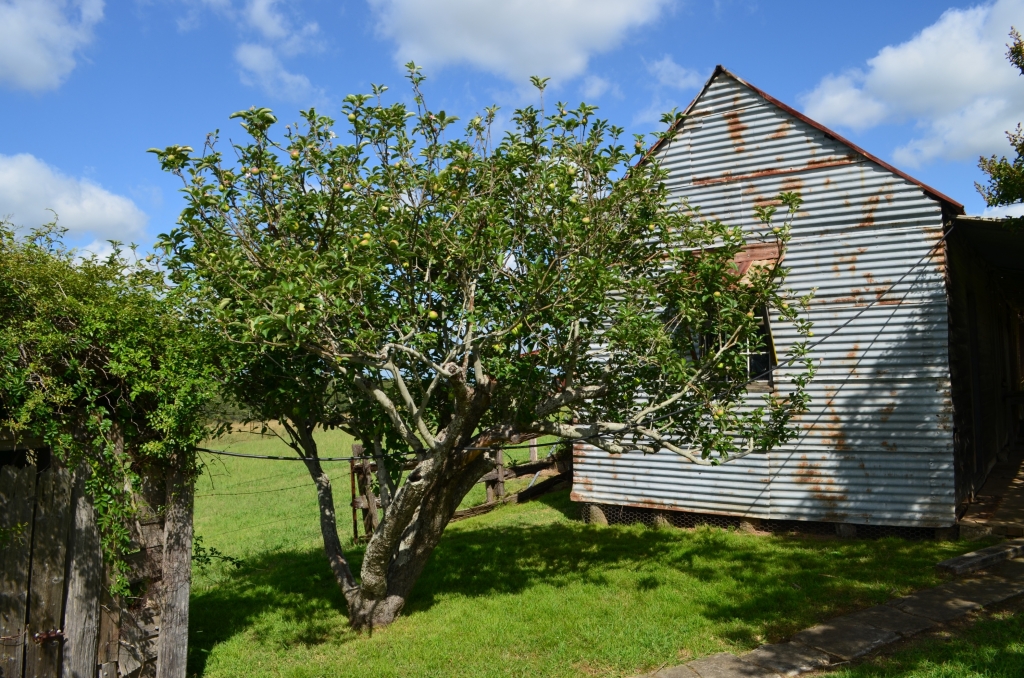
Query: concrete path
column 860, row 633
column 999, row 506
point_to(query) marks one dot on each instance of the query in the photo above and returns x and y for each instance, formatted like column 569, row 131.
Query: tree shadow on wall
column 878, row 440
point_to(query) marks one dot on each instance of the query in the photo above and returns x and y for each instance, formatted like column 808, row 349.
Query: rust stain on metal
column 736, row 129
column 887, row 411
column 880, row 295
column 813, row 164
column 853, row 354
column 792, row 184
column 820, row 485
column 869, row 211
column 749, row 190
column 781, row 130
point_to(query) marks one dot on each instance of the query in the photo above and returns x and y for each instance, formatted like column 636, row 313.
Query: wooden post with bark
column 352, row 493
column 177, row 577
column 499, row 485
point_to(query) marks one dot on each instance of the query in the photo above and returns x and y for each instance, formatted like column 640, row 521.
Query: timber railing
column 363, row 468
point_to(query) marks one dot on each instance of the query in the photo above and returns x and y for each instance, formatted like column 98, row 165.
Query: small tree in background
column 461, row 293
column 1005, row 178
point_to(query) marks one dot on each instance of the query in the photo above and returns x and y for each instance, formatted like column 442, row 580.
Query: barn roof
column 720, row 70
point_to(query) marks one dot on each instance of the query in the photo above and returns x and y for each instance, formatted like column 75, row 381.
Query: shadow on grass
column 776, row 584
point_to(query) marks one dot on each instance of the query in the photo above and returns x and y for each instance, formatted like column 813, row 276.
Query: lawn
column 523, row 591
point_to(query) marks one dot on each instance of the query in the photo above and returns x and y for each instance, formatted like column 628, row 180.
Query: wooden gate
column 57, row 618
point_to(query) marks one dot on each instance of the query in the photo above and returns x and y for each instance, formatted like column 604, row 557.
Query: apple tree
column 459, row 289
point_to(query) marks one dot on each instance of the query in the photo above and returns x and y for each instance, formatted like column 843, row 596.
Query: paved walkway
column 863, row 632
column 999, row 507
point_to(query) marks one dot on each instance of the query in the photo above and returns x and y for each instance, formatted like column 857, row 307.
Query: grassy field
column 523, row 591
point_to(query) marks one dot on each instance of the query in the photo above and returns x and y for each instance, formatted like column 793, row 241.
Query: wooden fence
column 57, row 618
column 362, row 470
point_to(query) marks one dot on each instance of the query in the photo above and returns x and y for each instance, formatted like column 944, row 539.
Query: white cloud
column 1015, row 210
column 39, row 39
column 267, row 19
column 514, row 39
column 670, row 79
column 269, row 32
column 670, row 74
column 29, row 188
column 594, row 87
column 951, row 79
column 262, row 67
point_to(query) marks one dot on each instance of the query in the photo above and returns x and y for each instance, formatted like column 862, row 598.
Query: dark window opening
column 761, row 360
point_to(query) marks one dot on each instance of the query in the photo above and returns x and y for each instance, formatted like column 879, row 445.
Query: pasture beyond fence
column 57, row 617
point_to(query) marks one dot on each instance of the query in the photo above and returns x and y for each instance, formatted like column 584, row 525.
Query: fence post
column 371, row 498
column 499, row 484
column 356, row 450
column 176, row 577
column 533, row 450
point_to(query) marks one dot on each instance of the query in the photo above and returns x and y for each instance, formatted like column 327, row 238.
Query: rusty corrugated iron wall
column 877, row 444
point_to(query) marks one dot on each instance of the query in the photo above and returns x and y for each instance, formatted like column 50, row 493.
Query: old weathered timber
column 85, row 584
column 371, row 502
column 46, row 586
column 177, row 575
column 17, row 499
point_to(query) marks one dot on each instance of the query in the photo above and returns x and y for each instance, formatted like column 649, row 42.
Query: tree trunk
column 328, row 520
column 401, row 547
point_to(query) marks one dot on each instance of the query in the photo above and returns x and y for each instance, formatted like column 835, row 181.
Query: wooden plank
column 172, row 646
column 46, row 587
column 85, row 585
column 533, row 450
column 519, row 470
column 110, row 633
column 362, row 503
column 549, row 485
column 17, row 504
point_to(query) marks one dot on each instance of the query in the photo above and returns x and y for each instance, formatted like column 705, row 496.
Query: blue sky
column 86, row 86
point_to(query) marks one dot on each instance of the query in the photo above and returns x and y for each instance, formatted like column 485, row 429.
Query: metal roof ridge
column 722, row 70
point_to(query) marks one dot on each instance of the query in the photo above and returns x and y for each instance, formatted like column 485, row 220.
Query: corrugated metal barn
column 913, row 399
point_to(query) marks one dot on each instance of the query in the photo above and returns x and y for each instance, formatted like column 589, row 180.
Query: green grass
column 522, row 591
column 990, row 648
